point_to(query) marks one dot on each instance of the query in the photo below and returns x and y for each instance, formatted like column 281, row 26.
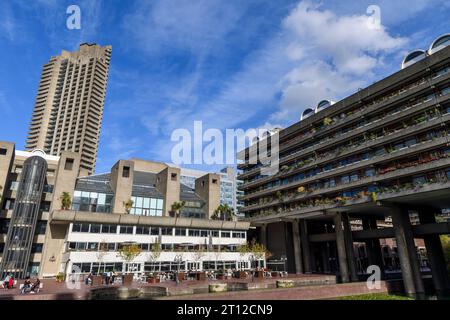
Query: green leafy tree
column 129, row 251
column 66, row 201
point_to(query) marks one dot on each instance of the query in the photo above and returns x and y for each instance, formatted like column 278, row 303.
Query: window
column 126, row 229
column 126, row 172
column 91, row 201
column 154, row 231
column 214, row 181
column 41, row 227
column 69, row 164
column 147, row 206
column 95, row 228
column 108, row 229
column 3, row 152
column 180, row 232
column 166, row 231
column 226, row 234
column 194, row 233
column 173, row 176
column 92, row 246
column 214, row 233
column 142, row 230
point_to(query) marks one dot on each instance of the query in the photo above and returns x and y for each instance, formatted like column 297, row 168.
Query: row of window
column 160, row 266
column 115, row 246
column 155, row 231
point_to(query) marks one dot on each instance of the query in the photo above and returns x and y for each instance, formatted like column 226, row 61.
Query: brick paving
column 299, row 293
column 53, row 290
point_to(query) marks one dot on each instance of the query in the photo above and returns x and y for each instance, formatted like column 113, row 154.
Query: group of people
column 30, row 287
column 8, row 282
column 107, row 278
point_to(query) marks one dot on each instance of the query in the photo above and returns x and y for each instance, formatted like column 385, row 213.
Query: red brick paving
column 299, row 293
column 53, row 290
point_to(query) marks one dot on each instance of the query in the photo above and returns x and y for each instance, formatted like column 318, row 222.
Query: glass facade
column 147, row 206
column 19, row 240
column 92, row 201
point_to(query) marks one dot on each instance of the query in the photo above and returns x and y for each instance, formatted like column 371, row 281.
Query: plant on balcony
column 327, row 121
column 373, row 196
column 66, row 201
column 176, row 208
column 224, row 212
column 301, row 189
column 128, row 205
column 279, row 195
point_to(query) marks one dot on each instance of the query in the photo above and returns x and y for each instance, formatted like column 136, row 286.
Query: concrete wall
column 168, row 183
column 6, row 162
column 122, row 186
column 55, row 235
column 208, row 188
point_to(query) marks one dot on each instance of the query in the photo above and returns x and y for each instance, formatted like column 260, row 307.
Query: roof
column 143, row 186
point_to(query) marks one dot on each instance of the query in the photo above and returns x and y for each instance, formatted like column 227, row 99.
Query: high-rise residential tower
column 68, row 111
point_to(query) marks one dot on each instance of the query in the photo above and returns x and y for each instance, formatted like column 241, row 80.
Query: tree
column 128, row 205
column 129, row 251
column 155, row 250
column 176, row 207
column 223, row 212
column 199, row 253
column 445, row 240
column 66, row 201
column 259, row 251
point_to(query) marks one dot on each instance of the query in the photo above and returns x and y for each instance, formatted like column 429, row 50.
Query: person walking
column 11, row 281
column 6, row 282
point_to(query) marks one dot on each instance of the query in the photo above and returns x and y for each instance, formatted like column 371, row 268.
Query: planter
column 241, row 275
column 221, row 277
column 181, row 276
column 218, row 287
column 152, row 280
column 127, row 279
column 285, row 284
column 97, row 280
column 201, row 276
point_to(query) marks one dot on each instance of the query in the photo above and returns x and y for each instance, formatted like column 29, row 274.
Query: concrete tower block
column 122, row 174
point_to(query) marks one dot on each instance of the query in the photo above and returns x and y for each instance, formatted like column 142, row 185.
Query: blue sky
column 231, row 64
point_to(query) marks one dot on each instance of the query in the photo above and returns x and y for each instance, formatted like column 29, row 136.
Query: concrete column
column 435, row 255
column 297, row 248
column 263, row 235
column 349, row 247
column 412, row 279
column 306, row 250
column 341, row 248
column 373, row 247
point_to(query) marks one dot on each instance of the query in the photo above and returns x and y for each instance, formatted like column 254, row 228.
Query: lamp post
column 284, row 259
column 178, row 259
column 252, row 260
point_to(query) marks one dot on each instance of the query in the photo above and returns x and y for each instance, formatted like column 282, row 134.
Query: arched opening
column 440, row 43
column 307, row 113
column 413, row 57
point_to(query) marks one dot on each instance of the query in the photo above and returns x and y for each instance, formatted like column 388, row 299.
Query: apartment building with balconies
column 382, row 153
